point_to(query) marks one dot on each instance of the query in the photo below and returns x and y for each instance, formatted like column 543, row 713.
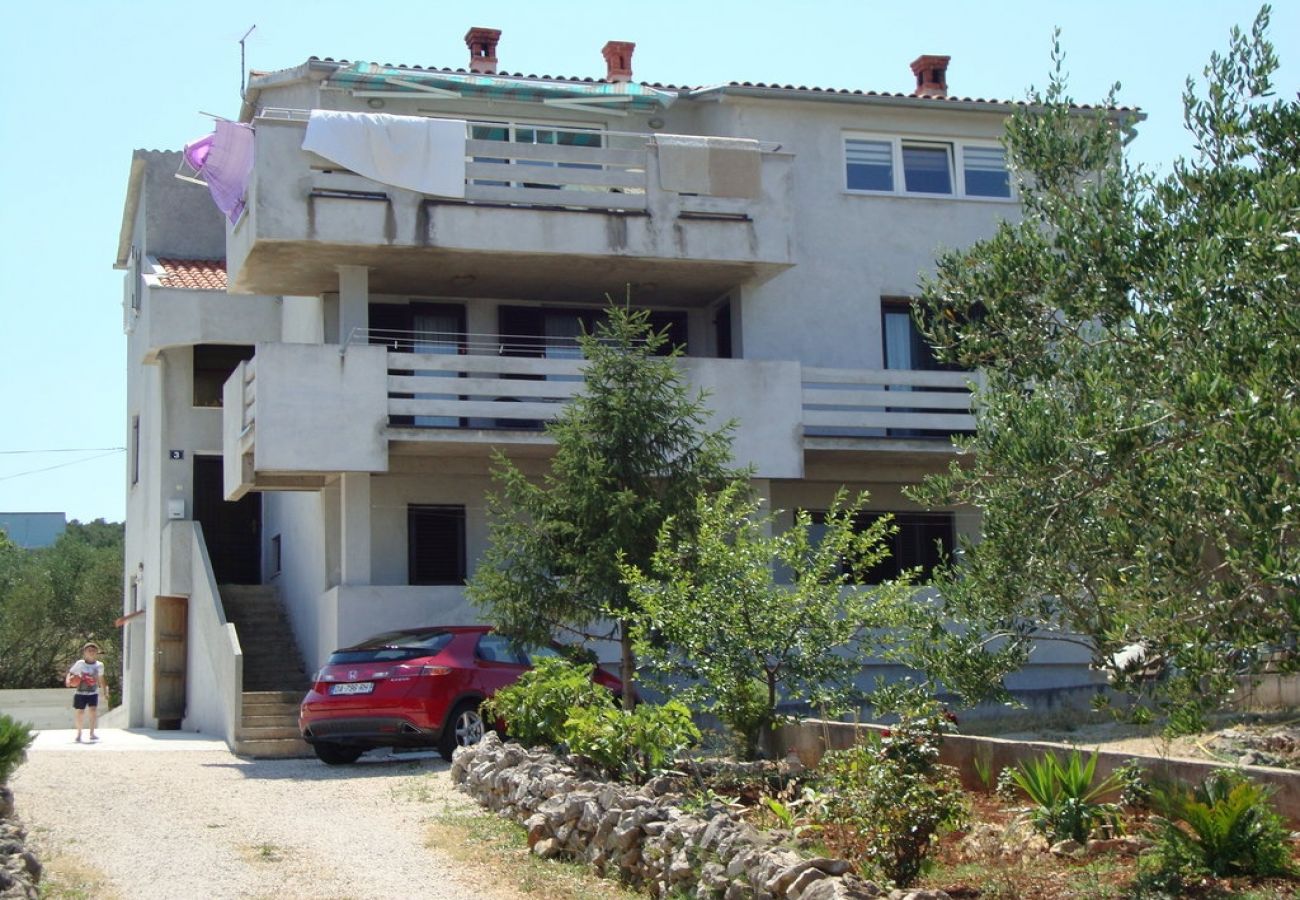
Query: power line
column 64, row 450
column 62, row 465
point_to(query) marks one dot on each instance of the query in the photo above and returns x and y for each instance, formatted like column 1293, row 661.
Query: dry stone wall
column 641, row 835
column 20, row 871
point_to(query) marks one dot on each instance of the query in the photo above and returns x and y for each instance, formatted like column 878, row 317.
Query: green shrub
column 1134, row 785
column 1225, row 826
column 536, row 706
column 633, row 745
column 1065, row 797
column 887, row 800
column 15, row 738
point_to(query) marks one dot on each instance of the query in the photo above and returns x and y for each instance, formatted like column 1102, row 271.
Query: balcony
column 171, row 317
column 548, row 221
column 297, row 414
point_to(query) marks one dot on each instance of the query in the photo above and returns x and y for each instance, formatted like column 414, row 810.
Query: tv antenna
column 242, row 67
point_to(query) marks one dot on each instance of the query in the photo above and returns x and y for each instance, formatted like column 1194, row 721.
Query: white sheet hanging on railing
column 412, row 152
column 710, row 166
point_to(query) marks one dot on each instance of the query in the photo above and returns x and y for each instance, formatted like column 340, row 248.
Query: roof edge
column 875, row 99
column 134, row 186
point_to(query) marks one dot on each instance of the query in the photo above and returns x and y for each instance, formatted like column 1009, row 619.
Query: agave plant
column 1066, row 796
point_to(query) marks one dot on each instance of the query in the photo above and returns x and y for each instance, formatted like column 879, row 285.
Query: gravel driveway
column 194, row 821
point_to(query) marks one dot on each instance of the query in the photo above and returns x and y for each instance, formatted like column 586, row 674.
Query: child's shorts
column 81, row 701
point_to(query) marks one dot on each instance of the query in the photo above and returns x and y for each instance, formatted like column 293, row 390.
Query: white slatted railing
column 446, row 390
column 456, row 390
column 873, row 402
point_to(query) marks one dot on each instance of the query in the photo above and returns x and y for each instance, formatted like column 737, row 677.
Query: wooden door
column 170, row 625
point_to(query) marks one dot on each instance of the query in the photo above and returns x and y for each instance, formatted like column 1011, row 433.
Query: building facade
column 318, row 380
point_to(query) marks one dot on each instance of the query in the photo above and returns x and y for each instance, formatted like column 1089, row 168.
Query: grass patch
column 66, row 877
column 265, row 852
column 492, row 844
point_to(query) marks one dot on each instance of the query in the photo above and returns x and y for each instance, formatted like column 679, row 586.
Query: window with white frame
column 896, row 165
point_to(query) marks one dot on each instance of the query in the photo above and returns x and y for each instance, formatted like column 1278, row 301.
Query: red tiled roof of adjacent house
column 195, row 274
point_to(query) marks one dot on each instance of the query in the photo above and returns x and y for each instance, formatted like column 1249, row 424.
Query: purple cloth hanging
column 224, row 159
column 196, row 152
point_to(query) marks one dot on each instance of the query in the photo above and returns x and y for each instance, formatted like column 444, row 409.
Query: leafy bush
column 634, row 744
column 1134, row 785
column 15, row 738
column 887, row 800
column 1066, row 800
column 1224, row 826
column 536, row 706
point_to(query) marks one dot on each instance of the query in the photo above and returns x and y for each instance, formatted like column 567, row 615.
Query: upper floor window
column 213, row 364
column 912, row 166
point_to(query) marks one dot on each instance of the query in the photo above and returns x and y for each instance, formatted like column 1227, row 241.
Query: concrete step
column 268, row 732
column 246, row 590
column 274, row 748
column 270, row 721
column 270, row 698
column 273, row 709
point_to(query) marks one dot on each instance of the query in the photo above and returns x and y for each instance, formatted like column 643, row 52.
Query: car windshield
column 393, row 646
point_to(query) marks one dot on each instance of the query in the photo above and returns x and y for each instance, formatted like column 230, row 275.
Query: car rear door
column 497, row 664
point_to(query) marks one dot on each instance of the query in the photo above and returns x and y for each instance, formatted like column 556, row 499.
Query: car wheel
column 337, row 754
column 464, row 728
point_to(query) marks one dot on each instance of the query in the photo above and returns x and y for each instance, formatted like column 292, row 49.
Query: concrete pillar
column 355, row 528
column 354, row 300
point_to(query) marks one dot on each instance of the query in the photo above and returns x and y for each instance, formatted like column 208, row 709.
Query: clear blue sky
column 90, row 81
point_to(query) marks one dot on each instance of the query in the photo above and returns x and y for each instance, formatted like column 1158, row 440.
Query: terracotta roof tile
column 735, row 84
column 194, row 274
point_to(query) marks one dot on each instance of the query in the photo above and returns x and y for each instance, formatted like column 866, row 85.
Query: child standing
column 87, row 676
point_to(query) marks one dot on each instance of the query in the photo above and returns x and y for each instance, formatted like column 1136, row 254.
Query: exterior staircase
column 274, row 676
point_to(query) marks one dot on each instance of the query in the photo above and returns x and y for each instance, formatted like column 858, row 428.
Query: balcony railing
column 298, row 414
column 505, row 381
column 888, row 402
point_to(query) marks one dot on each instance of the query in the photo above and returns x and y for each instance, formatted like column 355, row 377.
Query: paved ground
column 174, row 815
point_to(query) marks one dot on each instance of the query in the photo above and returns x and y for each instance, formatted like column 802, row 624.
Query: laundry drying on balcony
column 413, row 152
column 222, row 161
column 710, row 166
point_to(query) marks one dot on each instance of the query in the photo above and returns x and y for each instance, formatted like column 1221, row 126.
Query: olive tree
column 1138, row 438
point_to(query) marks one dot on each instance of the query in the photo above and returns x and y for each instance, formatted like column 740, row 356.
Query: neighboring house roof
column 746, row 88
column 195, row 274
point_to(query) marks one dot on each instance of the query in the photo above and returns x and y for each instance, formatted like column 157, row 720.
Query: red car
column 416, row 688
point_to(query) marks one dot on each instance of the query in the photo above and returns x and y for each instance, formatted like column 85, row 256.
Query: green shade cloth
column 373, row 77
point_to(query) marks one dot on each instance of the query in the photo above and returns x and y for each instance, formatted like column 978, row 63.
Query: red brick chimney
column 618, row 60
column 931, row 76
column 482, row 44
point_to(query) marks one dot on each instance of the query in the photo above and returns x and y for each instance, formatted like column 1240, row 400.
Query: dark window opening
column 213, row 365
column 722, row 327
column 921, row 539
column 437, row 328
column 553, row 331
column 436, row 544
column 906, row 348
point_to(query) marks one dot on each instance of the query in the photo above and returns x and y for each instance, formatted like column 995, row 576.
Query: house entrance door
column 170, row 621
column 232, row 531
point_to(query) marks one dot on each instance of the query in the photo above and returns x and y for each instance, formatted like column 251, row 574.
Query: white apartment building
column 316, row 385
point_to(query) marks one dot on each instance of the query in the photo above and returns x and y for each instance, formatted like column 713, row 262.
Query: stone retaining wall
column 810, row 739
column 642, row 836
column 20, row 871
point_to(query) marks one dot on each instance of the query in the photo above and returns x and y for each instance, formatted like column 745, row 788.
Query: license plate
column 359, row 687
